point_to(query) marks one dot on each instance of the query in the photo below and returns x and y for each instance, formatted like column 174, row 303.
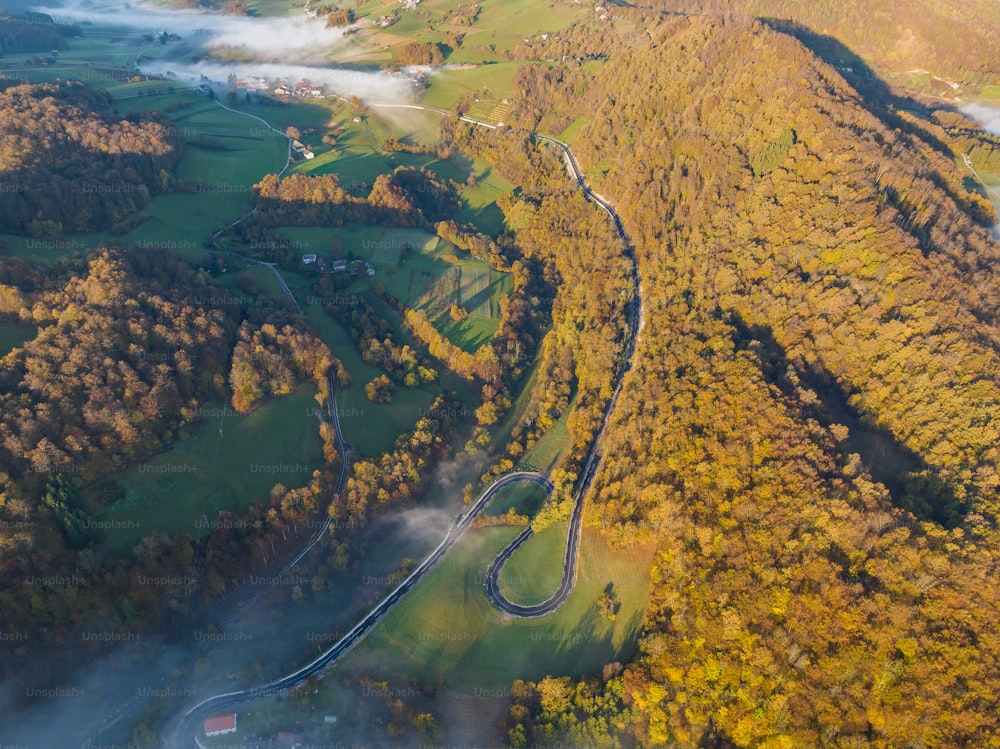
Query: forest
column 809, row 430
column 958, row 39
column 67, row 164
column 33, row 32
column 123, row 364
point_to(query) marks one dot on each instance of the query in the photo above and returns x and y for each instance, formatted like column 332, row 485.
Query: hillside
column 952, row 38
column 809, row 431
column 66, row 164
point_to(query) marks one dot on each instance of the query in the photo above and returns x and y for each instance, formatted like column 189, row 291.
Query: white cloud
column 988, row 117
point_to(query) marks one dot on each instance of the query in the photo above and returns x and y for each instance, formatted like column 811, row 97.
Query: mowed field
column 533, row 572
column 230, row 462
column 423, row 271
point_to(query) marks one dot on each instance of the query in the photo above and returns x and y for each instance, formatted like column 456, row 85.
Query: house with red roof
column 220, row 724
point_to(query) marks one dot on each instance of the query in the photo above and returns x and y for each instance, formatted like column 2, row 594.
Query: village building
column 218, row 725
column 308, row 258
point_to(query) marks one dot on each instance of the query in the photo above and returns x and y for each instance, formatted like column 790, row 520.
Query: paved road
column 186, row 730
column 594, row 458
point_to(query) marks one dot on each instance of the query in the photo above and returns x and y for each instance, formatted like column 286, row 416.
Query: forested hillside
column 959, row 39
column 810, row 429
column 33, row 32
column 66, row 164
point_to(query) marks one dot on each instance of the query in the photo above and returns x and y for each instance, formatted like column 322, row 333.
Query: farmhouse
column 220, row 724
column 308, row 258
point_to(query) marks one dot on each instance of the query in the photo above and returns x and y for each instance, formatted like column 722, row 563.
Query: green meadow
column 228, row 463
column 533, row 572
column 447, row 633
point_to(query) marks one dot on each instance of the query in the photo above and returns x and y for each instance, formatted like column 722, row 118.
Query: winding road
column 186, row 728
column 595, row 456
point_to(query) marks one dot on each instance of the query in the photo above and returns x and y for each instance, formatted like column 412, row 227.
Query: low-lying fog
column 284, row 47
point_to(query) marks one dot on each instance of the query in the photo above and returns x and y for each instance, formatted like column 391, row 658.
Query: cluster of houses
column 300, row 148
column 280, row 87
column 338, row 266
column 418, row 79
column 219, row 725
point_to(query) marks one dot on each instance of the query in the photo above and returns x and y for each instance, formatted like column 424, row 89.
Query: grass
column 573, row 130
column 533, row 572
column 182, row 222
column 493, row 82
column 990, row 93
column 550, row 451
column 479, row 201
column 524, row 498
column 225, row 465
column 13, row 335
column 446, row 632
column 474, row 289
column 370, row 428
column 421, row 270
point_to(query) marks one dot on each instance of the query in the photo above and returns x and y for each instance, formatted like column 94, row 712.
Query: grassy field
column 13, row 335
column 357, row 159
column 533, row 572
column 550, row 451
column 479, row 201
column 493, row 83
column 423, row 271
column 569, row 134
column 370, row 428
column 446, row 632
column 226, row 465
column 990, row 93
column 182, row 222
column 524, row 498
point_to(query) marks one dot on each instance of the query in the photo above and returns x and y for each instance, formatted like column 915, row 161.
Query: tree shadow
column 482, row 297
column 912, row 484
column 878, row 98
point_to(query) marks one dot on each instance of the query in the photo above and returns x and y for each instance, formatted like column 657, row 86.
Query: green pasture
column 524, row 498
column 446, row 633
column 533, row 572
column 225, row 465
column 493, row 81
column 550, row 451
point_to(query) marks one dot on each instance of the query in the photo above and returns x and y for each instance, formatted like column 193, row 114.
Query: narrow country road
column 184, row 731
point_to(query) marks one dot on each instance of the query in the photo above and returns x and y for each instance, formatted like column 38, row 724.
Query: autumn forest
column 807, row 436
